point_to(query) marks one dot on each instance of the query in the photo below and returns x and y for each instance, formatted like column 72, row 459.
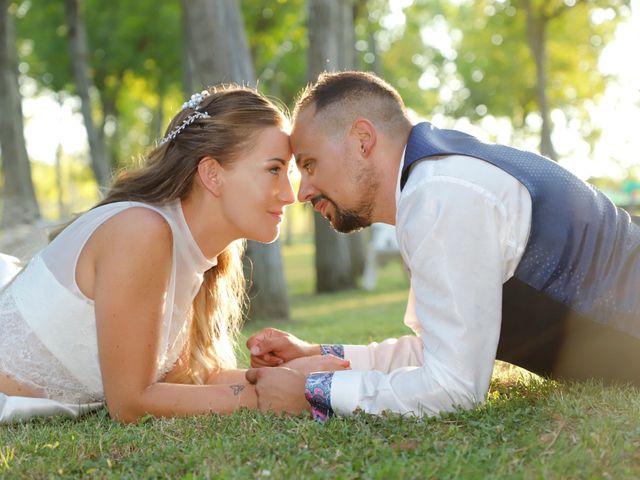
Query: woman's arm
column 227, row 377
column 221, row 377
column 133, row 259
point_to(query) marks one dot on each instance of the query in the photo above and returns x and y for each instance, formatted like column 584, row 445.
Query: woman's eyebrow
column 277, row 159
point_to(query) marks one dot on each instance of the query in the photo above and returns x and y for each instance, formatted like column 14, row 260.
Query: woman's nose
column 287, row 195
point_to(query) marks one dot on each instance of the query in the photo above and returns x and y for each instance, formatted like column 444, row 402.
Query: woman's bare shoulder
column 139, row 223
column 135, row 231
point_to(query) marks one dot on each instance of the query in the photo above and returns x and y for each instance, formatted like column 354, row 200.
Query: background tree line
column 130, row 64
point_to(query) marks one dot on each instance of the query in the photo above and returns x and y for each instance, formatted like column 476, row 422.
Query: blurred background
column 87, row 86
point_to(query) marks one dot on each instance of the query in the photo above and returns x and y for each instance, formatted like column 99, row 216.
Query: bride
column 138, row 301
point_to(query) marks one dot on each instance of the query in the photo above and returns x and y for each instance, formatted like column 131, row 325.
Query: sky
column 48, row 124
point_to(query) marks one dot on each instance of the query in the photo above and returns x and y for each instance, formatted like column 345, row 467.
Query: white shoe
column 16, row 409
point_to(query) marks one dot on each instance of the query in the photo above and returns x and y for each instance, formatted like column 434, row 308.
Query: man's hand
column 271, row 347
column 280, row 390
column 317, row 363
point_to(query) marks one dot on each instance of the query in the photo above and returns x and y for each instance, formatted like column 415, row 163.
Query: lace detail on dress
column 177, row 342
column 24, row 358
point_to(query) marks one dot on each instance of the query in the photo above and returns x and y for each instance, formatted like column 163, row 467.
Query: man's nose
column 305, row 191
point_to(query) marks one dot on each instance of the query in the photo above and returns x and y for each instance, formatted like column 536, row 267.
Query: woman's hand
column 317, row 363
column 271, row 347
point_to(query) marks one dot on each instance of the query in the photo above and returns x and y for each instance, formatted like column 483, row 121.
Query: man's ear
column 365, row 134
column 210, row 173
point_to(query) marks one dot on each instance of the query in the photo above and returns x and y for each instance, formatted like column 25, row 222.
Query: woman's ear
column 210, row 173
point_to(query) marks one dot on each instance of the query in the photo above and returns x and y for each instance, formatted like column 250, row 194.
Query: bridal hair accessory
column 195, row 100
column 193, row 103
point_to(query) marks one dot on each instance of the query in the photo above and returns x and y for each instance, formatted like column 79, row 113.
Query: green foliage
column 42, row 44
column 412, row 62
column 496, row 65
column 79, row 191
column 277, row 35
column 455, row 58
column 473, row 57
column 528, row 428
column 135, row 58
column 143, row 38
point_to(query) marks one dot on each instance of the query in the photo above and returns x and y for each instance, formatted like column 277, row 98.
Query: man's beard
column 347, row 220
column 351, row 220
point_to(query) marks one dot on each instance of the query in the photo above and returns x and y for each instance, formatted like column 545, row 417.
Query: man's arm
column 385, row 356
column 451, row 238
column 452, row 242
column 271, row 347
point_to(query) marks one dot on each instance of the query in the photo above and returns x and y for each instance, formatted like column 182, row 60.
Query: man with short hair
column 510, row 257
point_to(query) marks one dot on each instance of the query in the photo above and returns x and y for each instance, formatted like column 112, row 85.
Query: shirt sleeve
column 450, row 238
column 384, row 356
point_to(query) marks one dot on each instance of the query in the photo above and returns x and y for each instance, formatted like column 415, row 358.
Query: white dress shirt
column 462, row 226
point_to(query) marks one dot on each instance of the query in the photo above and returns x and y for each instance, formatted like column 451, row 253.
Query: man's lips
column 320, row 206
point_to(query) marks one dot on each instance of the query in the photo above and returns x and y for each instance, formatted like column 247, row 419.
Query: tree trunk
column 158, row 118
column 62, row 208
column 109, row 105
column 536, row 36
column 218, row 48
column 188, row 67
column 19, row 199
column 331, row 47
column 80, row 61
column 357, row 248
column 217, row 42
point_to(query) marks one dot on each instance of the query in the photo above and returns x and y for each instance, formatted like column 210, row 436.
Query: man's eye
column 306, row 166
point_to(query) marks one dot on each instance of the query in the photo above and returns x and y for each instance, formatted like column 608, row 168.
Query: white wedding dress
column 48, row 338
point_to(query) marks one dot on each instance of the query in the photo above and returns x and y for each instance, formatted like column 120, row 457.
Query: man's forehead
column 305, row 132
column 304, row 119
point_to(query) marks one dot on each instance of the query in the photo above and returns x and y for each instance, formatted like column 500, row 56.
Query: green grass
column 528, row 428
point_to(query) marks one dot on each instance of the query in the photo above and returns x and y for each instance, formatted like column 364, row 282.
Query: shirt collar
column 399, row 176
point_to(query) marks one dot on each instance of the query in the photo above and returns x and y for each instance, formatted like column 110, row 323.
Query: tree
column 131, row 65
column 519, row 59
column 80, row 62
column 277, row 36
column 19, row 199
column 540, row 17
column 219, row 52
column 331, row 47
column 217, row 42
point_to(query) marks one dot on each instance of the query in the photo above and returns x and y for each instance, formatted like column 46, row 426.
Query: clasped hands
column 281, row 363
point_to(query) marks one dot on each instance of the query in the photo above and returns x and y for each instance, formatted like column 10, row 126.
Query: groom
column 510, row 257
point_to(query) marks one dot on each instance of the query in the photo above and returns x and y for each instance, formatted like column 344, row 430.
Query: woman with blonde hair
column 138, row 301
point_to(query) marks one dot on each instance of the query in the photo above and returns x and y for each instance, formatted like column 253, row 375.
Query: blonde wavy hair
column 236, row 116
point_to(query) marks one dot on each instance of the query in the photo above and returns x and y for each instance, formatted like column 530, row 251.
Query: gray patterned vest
column 583, row 252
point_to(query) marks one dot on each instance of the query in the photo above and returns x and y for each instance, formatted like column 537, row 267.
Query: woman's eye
column 274, row 170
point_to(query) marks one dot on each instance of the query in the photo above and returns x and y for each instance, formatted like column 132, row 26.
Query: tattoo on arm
column 237, row 389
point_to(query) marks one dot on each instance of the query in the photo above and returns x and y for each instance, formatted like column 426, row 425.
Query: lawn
column 528, row 428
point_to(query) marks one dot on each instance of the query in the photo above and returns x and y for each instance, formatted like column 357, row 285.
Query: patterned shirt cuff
column 336, row 349
column 317, row 391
